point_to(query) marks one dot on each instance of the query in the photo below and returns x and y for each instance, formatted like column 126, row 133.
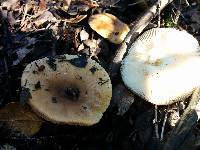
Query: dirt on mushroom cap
column 71, row 92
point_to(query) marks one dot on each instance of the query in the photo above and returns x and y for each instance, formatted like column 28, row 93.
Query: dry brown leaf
column 10, row 4
column 90, row 3
column 80, row 6
column 94, row 47
column 66, row 4
column 109, row 27
column 44, row 17
column 77, row 19
column 19, row 120
column 42, row 5
column 25, row 50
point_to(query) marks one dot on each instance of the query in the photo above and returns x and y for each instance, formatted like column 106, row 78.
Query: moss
column 169, row 22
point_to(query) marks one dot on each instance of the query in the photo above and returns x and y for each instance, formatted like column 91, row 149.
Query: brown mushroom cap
column 109, row 27
column 70, row 89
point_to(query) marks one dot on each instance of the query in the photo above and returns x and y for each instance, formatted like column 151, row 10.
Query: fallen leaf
column 42, row 5
column 97, row 47
column 90, row 3
column 94, row 47
column 109, row 27
column 84, row 35
column 195, row 16
column 109, row 3
column 77, row 19
column 44, row 17
column 81, row 47
column 7, row 147
column 91, row 43
column 173, row 118
column 19, row 120
column 80, row 6
column 10, row 4
column 23, row 51
column 66, row 4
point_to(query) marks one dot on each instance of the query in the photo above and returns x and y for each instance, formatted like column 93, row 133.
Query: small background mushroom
column 109, row 27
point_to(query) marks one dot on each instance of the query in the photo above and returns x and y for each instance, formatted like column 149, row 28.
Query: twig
column 185, row 2
column 5, row 64
column 25, row 13
column 52, row 137
column 163, row 127
column 156, row 122
column 185, row 124
column 7, row 45
column 158, row 10
column 136, row 3
column 136, row 29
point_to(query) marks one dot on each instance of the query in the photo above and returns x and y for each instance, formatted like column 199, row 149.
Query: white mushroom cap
column 69, row 90
column 162, row 66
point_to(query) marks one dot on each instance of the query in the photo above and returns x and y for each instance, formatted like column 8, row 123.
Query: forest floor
column 33, row 29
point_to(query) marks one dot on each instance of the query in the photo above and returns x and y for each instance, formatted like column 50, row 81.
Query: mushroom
column 109, row 27
column 69, row 89
column 162, row 66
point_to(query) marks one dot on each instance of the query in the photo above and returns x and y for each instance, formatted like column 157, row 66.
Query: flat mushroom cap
column 69, row 89
column 162, row 66
column 109, row 27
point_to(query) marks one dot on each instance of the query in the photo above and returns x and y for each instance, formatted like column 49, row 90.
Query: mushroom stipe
column 69, row 94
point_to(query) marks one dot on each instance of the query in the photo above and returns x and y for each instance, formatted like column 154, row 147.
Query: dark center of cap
column 71, row 93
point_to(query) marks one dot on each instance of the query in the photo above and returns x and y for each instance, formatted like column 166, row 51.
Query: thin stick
column 158, row 10
column 185, row 2
column 136, row 29
column 25, row 13
column 163, row 127
column 156, row 122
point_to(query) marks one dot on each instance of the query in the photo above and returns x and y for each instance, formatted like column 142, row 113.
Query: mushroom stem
column 136, row 29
